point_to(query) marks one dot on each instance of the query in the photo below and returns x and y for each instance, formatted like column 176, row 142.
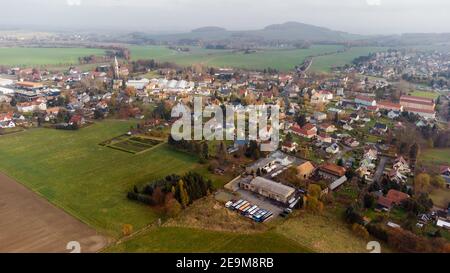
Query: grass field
column 173, row 239
column 322, row 233
column 425, row 94
column 22, row 56
column 440, row 197
column 87, row 180
column 274, row 58
column 327, row 62
column 435, row 157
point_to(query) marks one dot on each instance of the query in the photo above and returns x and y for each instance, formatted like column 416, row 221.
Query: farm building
column 269, row 189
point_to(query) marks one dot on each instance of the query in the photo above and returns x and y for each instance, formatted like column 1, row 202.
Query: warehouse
column 269, row 189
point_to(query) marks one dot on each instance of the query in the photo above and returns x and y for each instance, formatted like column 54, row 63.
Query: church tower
column 116, row 68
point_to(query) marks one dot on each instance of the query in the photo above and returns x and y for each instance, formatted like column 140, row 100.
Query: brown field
column 29, row 223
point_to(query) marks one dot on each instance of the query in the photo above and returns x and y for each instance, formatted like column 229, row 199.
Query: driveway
column 380, row 169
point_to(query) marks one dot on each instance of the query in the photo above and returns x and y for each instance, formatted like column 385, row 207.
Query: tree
column 360, row 231
column 314, row 205
column 184, row 197
column 127, row 230
column 314, row 190
column 438, row 182
column 158, row 196
column 301, row 120
column 369, row 201
column 422, row 183
column 414, row 151
column 171, row 206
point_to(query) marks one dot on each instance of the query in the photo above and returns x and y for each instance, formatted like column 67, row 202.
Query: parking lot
column 261, row 202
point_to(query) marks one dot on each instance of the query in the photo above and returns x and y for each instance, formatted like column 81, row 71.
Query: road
column 380, row 169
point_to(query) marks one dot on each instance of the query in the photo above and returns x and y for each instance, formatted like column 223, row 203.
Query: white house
column 366, row 101
column 333, row 149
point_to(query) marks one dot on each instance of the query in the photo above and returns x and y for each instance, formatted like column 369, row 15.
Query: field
column 327, row 62
column 275, row 58
column 435, row 157
column 425, row 94
column 322, row 233
column 22, row 56
column 174, row 240
column 87, row 180
column 440, row 197
column 31, row 224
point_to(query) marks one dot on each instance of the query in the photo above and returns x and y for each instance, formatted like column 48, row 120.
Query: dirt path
column 29, row 223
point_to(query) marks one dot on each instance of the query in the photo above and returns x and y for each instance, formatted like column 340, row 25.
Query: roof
column 396, row 197
column 306, row 167
column 428, row 103
column 389, row 105
column 338, row 183
column 272, row 186
column 365, row 98
column 333, row 169
column 385, row 202
column 308, row 127
column 415, row 98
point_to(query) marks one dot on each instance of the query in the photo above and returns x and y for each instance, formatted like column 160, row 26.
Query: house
column 269, row 189
column 443, row 224
column 305, row 170
column 331, row 171
column 444, row 170
column 365, row 101
column 333, row 149
column 393, row 114
column 289, row 146
column 7, row 124
column 397, row 176
column 28, row 107
column 323, row 137
column 419, row 103
column 77, row 120
column 337, row 183
column 319, row 116
column 321, row 97
column 328, row 127
column 401, row 165
column 380, row 127
column 308, row 131
column 393, row 198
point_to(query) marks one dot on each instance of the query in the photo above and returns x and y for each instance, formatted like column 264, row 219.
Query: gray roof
column 338, row 183
column 272, row 186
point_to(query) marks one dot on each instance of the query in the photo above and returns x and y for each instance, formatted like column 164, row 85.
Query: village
column 337, row 133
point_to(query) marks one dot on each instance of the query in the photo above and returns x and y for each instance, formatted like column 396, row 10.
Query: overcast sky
column 356, row 16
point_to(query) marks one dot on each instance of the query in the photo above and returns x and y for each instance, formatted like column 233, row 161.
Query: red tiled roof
column 417, row 110
column 396, row 197
column 333, row 169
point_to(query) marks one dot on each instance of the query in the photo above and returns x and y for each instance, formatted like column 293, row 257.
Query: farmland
column 25, row 56
column 327, row 62
column 87, row 180
column 274, row 58
column 435, row 157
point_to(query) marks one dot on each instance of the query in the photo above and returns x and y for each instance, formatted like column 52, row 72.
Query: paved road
column 30, row 224
column 380, row 169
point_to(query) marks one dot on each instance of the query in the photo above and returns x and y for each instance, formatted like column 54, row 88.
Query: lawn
column 89, row 181
column 275, row 58
column 435, row 157
column 425, row 94
column 24, row 56
column 440, row 197
column 186, row 240
column 327, row 62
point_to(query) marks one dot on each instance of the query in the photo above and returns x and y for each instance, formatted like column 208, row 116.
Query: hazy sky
column 357, row 16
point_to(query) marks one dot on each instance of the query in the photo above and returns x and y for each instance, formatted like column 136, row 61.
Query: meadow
column 274, row 58
column 188, row 240
column 325, row 64
column 87, row 180
column 26, row 56
column 435, row 157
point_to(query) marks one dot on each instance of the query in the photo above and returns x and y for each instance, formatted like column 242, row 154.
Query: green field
column 24, row 56
column 89, row 181
column 327, row 62
column 425, row 94
column 441, row 197
column 275, row 58
column 170, row 239
column 435, row 157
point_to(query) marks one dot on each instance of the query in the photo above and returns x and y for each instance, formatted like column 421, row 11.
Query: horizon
column 364, row 17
